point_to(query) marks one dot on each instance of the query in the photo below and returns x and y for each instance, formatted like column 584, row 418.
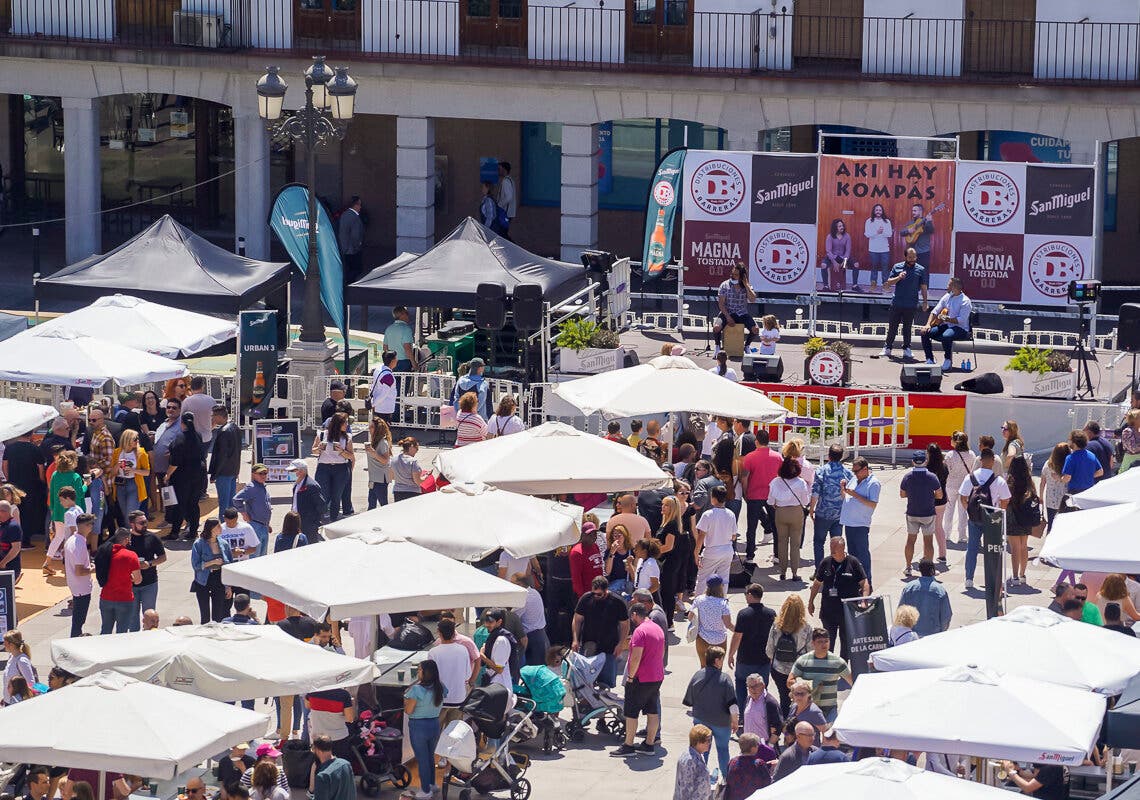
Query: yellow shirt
column 140, row 460
column 634, row 440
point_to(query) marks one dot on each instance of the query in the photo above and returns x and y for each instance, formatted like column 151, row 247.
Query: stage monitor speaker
column 763, row 369
column 1128, row 328
column 921, row 378
column 986, row 383
column 526, row 306
column 490, row 306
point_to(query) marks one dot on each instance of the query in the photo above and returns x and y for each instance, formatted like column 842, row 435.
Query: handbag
column 806, row 509
column 169, row 496
column 691, row 631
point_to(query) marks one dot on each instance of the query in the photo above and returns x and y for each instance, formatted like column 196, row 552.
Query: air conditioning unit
column 198, row 30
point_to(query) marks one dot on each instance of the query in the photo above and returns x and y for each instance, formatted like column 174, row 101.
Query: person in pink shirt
column 757, row 469
column 644, row 673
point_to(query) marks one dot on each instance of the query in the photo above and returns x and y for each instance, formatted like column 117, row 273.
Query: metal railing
column 675, row 39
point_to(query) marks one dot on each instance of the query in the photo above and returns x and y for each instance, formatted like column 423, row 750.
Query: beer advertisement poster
column 989, row 264
column 883, row 206
column 257, row 362
column 712, row 249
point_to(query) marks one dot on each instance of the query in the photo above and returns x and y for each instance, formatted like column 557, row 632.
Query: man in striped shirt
column 823, row 669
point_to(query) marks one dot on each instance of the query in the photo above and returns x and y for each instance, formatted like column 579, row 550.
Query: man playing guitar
column 918, row 232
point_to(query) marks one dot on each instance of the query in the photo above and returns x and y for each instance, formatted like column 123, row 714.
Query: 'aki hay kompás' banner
column 756, row 210
column 1023, row 231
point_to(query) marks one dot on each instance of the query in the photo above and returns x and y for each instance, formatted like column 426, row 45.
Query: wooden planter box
column 1051, row 384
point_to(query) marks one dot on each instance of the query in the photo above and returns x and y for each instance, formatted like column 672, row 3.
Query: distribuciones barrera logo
column 991, row 198
column 1053, row 265
column 717, row 187
column 663, row 194
column 782, row 256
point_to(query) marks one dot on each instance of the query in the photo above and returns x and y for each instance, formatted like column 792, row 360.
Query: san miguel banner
column 865, row 625
column 257, row 361
column 660, row 212
column 885, row 205
column 756, row 210
column 1023, row 231
column 289, row 219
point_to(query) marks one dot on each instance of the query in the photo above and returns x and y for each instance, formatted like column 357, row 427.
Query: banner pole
column 1099, row 190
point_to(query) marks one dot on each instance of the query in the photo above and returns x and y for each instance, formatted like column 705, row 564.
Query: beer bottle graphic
column 258, row 385
column 657, row 244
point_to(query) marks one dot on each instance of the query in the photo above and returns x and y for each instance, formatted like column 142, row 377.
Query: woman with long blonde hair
column 14, row 495
column 130, row 464
column 1014, row 445
column 668, row 536
column 378, row 452
column 789, row 639
column 794, row 449
column 619, row 544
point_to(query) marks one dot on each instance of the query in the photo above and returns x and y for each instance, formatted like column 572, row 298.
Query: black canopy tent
column 447, row 275
column 168, row 263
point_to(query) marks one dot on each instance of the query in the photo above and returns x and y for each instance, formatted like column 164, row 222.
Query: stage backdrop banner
column 1022, row 231
column 891, row 204
column 756, row 210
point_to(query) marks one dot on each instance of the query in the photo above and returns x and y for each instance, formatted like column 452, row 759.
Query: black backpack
column 786, row 651
column 979, row 497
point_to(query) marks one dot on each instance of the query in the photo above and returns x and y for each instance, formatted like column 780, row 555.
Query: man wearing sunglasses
column 163, row 437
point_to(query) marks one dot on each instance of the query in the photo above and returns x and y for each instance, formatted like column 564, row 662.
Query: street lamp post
column 329, row 105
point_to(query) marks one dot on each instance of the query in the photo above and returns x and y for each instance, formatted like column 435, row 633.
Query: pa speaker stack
column 490, row 306
column 526, row 306
column 921, row 378
column 1128, row 328
column 762, row 369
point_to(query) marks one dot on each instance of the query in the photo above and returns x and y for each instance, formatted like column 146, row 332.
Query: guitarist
column 918, row 232
column 909, row 279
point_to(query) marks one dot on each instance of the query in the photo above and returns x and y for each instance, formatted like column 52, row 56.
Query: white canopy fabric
column 1118, row 490
column 62, row 357
column 875, row 779
column 667, row 384
column 142, row 325
column 1030, row 641
column 971, row 711
column 1101, row 539
column 219, row 661
column 469, row 521
column 119, row 724
column 553, row 458
column 18, row 417
column 370, row 573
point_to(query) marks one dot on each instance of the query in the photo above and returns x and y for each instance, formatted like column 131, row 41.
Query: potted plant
column 1037, row 372
column 817, row 344
column 586, row 347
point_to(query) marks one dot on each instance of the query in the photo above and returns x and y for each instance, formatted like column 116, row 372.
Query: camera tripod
column 1083, row 386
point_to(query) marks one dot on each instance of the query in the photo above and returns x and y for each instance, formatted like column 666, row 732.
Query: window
column 635, row 147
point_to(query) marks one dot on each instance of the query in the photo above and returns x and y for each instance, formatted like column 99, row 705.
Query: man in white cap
column 309, row 500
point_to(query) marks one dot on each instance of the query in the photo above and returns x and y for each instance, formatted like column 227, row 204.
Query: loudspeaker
column 763, row 369
column 526, row 305
column 921, row 377
column 1128, row 328
column 986, row 383
column 490, row 306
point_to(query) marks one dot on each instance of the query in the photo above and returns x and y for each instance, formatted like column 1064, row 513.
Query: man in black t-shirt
column 24, row 467
column 151, row 553
column 602, row 618
column 1044, row 781
column 298, row 625
column 1101, row 448
column 747, row 653
column 838, row 577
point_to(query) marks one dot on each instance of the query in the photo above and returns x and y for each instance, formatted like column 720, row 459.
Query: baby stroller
column 484, row 713
column 376, row 746
column 545, row 688
column 590, row 701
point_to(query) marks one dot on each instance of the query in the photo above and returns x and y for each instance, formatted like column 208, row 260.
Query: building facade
column 120, row 110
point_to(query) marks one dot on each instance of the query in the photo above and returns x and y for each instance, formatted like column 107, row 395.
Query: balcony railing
column 657, row 35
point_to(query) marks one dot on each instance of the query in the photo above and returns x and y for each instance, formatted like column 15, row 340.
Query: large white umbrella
column 112, row 723
column 370, row 573
column 469, row 521
column 1030, row 641
column 1120, row 489
column 875, row 779
column 553, row 458
column 18, row 417
column 219, row 661
column 1101, row 539
column 66, row 358
column 142, row 325
column 664, row 385
column 971, row 711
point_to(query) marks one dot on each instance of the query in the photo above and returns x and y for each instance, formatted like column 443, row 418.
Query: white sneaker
column 947, row 364
column 907, row 353
column 969, row 584
column 930, row 362
column 885, row 353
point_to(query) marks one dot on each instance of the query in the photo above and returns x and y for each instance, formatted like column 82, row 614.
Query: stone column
column 415, row 184
column 251, row 182
column 579, row 190
column 82, row 177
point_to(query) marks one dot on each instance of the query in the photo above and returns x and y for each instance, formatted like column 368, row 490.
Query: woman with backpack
column 789, row 638
column 1023, row 515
